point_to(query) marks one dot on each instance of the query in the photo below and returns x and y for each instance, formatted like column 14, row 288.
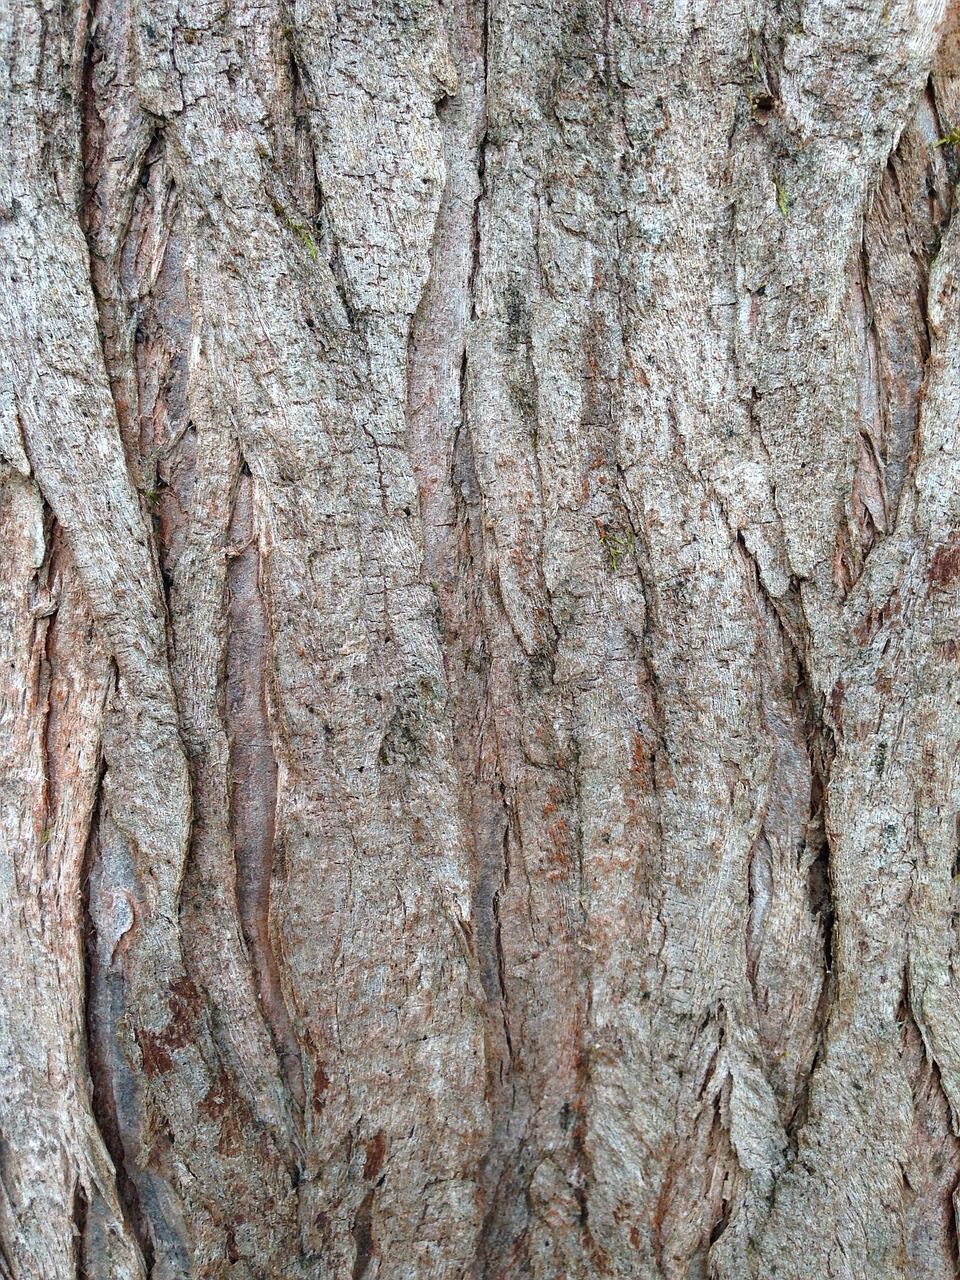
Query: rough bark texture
column 480, row 628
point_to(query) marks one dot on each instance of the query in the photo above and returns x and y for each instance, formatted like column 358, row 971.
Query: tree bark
column 480, row 625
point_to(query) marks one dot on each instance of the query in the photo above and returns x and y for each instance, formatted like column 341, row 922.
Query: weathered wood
column 480, row 617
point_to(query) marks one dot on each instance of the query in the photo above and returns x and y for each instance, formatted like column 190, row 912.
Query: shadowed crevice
column 81, row 1207
column 363, row 1237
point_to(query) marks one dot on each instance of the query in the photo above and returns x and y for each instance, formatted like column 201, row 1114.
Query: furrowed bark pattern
column 479, row 612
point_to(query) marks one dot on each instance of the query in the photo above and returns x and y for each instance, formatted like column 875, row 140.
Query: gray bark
column 480, row 624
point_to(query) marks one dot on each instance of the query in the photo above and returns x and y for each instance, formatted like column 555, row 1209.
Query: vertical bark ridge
column 253, row 770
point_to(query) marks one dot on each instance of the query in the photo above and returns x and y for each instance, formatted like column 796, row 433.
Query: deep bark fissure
column 820, row 872
column 363, row 1237
column 45, row 616
column 80, row 1209
column 502, row 991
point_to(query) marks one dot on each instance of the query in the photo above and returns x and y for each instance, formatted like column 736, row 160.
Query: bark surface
column 480, row 639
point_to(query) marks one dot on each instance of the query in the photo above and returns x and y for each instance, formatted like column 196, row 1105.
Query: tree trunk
column 480, row 624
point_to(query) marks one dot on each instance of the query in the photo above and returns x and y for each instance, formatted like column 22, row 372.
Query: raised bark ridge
column 479, row 613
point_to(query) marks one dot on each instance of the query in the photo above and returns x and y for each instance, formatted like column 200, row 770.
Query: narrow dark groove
column 300, row 85
column 930, row 92
column 452, row 560
column 583, row 1161
column 923, row 257
column 45, row 617
column 821, row 747
column 820, row 892
column 482, row 145
column 157, row 428
column 363, row 1237
column 81, row 1207
column 501, row 964
column 477, row 204
column 475, row 636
